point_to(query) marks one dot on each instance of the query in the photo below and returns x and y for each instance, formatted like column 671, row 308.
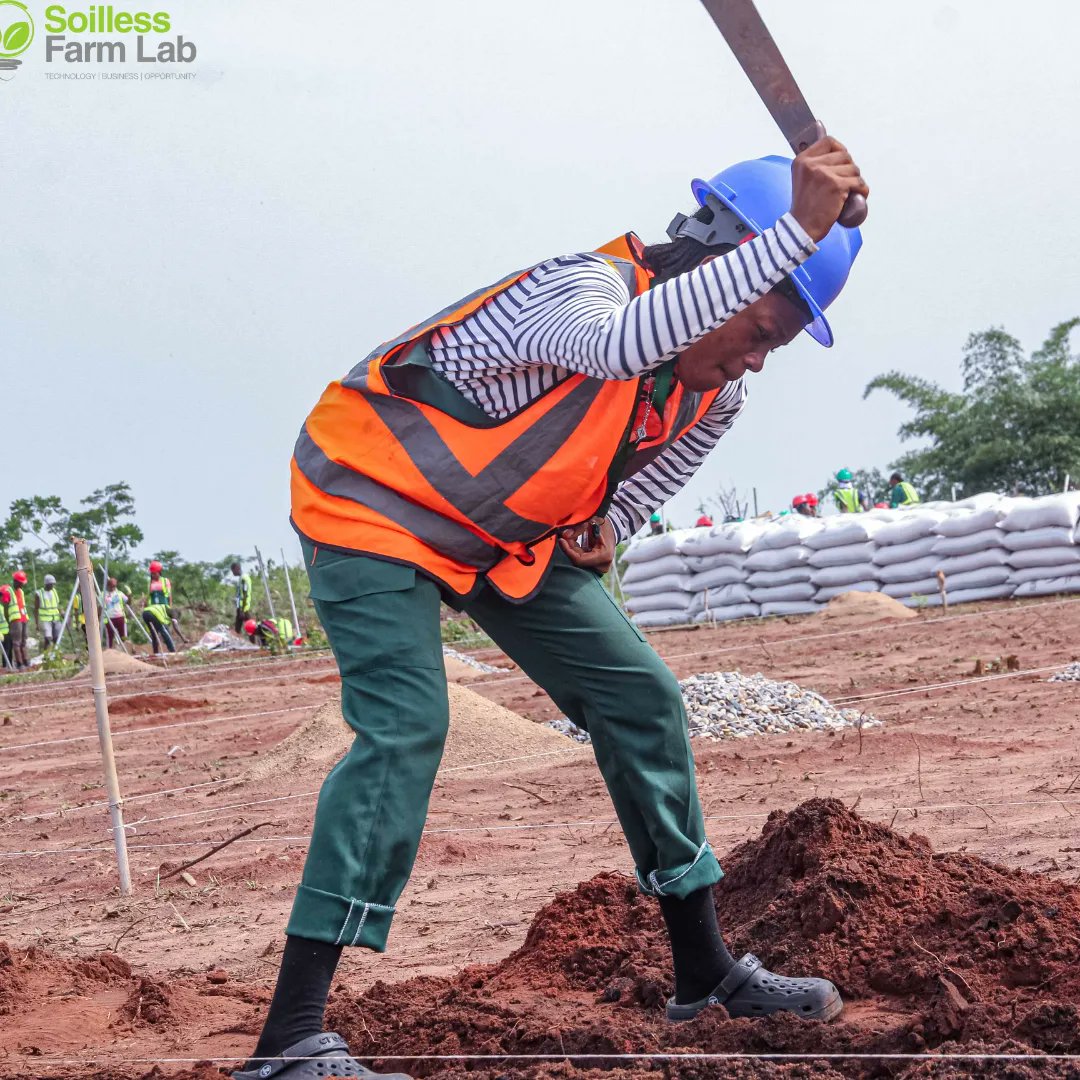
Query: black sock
column 296, row 1009
column 698, row 951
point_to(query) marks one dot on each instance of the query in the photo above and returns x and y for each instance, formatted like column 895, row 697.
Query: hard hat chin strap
column 725, row 229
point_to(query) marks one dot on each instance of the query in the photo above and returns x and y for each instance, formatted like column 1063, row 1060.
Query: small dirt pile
column 148, row 704
column 941, row 951
column 119, row 663
column 855, row 608
column 480, row 731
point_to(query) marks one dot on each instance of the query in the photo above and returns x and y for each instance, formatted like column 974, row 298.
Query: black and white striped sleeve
column 578, row 314
column 667, row 474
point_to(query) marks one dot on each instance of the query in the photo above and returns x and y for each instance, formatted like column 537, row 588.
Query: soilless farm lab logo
column 16, row 34
column 76, row 41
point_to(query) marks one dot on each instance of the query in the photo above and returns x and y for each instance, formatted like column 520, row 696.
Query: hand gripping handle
column 855, row 208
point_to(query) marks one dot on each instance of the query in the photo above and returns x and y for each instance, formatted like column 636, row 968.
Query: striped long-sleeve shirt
column 574, row 314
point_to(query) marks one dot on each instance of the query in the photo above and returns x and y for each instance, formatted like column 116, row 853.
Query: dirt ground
column 984, row 766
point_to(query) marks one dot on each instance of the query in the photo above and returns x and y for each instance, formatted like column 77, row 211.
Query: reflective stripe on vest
column 159, row 611
column 17, row 606
column 48, row 605
column 394, row 461
column 848, row 500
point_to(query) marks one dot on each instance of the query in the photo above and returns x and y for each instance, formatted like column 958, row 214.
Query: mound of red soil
column 142, row 704
column 931, row 951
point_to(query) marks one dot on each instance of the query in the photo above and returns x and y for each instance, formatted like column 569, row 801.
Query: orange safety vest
column 393, row 462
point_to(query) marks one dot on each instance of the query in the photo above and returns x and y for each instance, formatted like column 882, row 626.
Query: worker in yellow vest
column 18, row 620
column 274, row 634
column 902, row 493
column 502, row 489
column 47, row 613
column 161, row 592
column 156, row 618
column 243, row 598
column 5, row 627
column 78, row 616
column 849, row 499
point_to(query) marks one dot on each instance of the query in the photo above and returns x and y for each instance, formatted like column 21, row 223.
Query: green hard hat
column 844, row 476
column 655, row 518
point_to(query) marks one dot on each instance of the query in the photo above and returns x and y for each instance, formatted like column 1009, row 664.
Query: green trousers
column 382, row 621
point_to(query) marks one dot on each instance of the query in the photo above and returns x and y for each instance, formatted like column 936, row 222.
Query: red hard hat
column 811, row 498
column 155, row 567
column 250, row 626
column 19, row 576
column 799, row 500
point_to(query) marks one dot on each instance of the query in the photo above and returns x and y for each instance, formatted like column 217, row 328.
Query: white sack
column 641, row 571
column 802, row 590
column 660, row 583
column 959, row 564
column 1049, row 586
column 1048, row 510
column 1047, row 537
column 843, row 555
column 778, row 559
column 901, row 589
column 788, row 531
column 926, row 567
column 1048, row 556
column 830, row 576
column 721, row 575
column 970, row 542
column 739, row 611
column 1042, row 573
column 725, row 596
column 900, row 553
column 966, row 522
column 736, row 536
column 666, row 601
column 699, row 563
column 843, row 530
column 823, row 596
column 982, row 578
column 914, row 524
column 764, row 579
column 660, row 618
column 789, row 607
column 650, row 547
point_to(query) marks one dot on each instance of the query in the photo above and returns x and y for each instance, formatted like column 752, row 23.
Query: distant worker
column 656, row 524
column 811, row 504
column 273, row 634
column 17, row 619
column 113, row 605
column 798, row 504
column 849, row 499
column 703, row 522
column 47, row 614
column 243, row 596
column 5, row 627
column 161, row 592
column 78, row 616
column 902, row 493
column 156, row 617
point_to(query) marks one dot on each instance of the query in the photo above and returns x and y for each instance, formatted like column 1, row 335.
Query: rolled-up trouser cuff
column 682, row 881
column 339, row 920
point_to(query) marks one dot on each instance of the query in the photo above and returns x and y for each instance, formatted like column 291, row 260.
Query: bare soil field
column 930, row 866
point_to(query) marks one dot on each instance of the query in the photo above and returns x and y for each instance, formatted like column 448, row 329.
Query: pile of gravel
column 730, row 705
column 471, row 661
column 1070, row 674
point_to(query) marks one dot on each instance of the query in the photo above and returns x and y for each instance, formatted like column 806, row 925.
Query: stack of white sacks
column 987, row 547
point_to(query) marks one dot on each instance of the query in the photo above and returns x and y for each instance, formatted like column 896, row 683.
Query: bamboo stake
column 292, row 599
column 266, row 583
column 101, row 710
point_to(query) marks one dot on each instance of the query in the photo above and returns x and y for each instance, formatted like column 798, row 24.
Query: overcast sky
column 186, row 265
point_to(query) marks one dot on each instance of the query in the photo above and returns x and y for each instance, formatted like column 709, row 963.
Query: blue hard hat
column 758, row 192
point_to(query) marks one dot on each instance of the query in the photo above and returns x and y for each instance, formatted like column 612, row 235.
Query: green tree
column 1015, row 426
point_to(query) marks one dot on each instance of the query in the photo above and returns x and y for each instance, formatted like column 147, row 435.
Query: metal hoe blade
column 765, row 67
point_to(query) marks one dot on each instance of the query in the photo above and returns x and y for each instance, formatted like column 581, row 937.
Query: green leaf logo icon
column 16, row 28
